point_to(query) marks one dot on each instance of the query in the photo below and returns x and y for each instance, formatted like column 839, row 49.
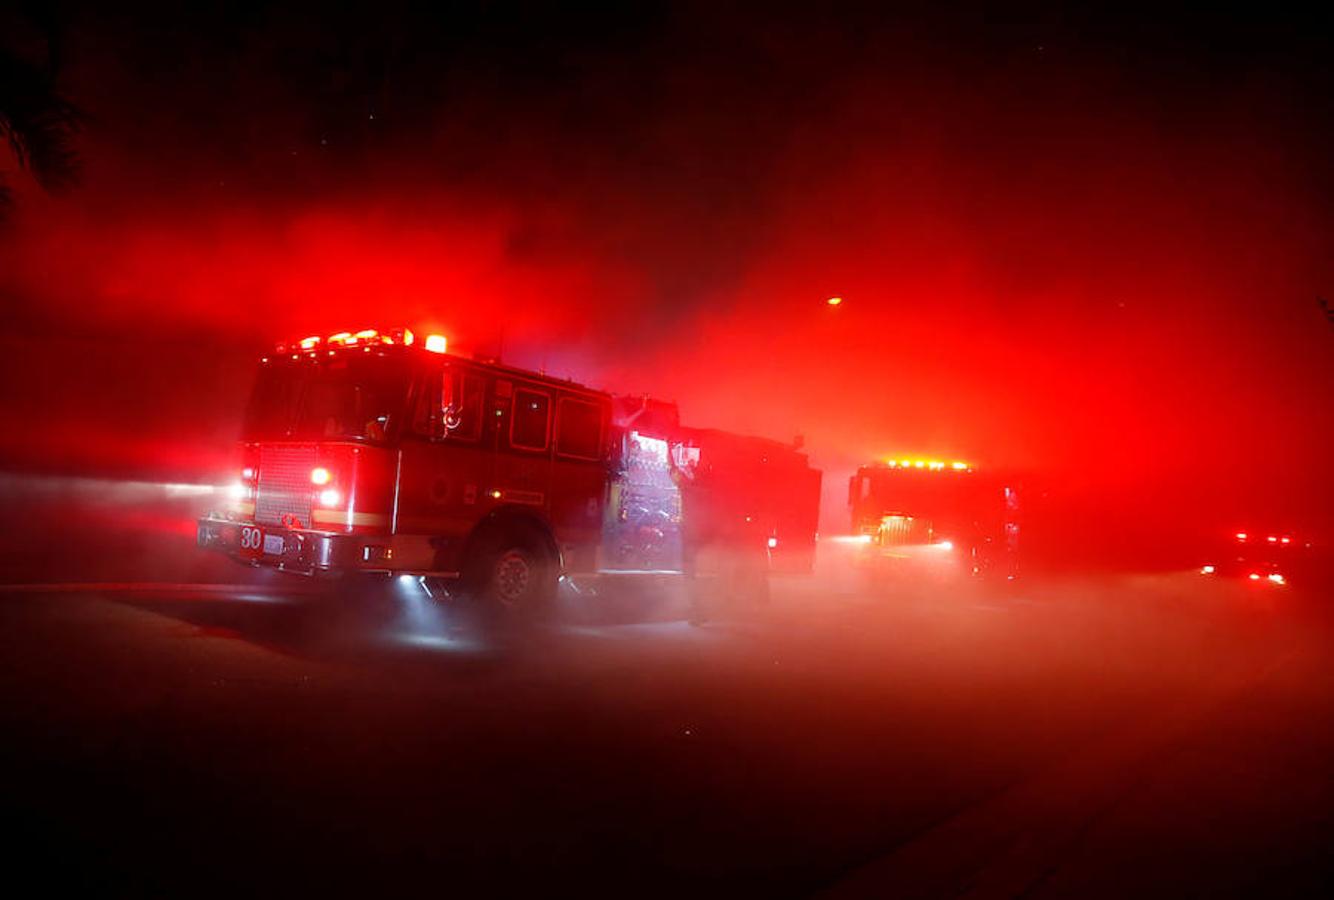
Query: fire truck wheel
column 514, row 572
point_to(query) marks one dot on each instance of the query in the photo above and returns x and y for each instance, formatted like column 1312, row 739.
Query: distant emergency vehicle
column 1264, row 558
column 377, row 452
column 945, row 516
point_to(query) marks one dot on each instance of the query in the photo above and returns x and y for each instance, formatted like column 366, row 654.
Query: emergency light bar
column 367, row 337
column 933, row 465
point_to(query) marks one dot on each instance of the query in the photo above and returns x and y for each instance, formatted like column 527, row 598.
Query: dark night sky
column 1087, row 245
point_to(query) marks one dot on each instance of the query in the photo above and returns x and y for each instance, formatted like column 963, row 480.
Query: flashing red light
column 1277, row 578
column 834, row 301
column 320, row 475
column 1241, row 535
column 436, row 343
column 1286, row 541
column 1273, row 540
column 1254, row 576
column 1207, row 570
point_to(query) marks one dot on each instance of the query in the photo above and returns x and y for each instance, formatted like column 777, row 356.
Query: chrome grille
column 896, row 530
column 284, row 484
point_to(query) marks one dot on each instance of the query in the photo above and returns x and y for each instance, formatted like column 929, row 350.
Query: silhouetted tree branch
column 38, row 124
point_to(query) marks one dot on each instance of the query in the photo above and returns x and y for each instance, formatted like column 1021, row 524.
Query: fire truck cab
column 373, row 452
column 945, row 517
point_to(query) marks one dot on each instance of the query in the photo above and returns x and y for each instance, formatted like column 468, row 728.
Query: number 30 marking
column 251, row 538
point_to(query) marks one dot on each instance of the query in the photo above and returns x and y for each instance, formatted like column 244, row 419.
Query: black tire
column 512, row 570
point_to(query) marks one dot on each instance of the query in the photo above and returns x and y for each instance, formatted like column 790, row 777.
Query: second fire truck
column 936, row 516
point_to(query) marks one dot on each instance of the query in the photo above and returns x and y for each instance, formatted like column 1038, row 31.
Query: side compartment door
column 523, row 415
column 579, row 477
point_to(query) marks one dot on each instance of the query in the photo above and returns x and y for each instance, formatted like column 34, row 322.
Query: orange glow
column 309, row 343
column 340, row 337
column 320, row 475
column 367, row 334
column 834, row 301
column 959, row 466
column 408, row 337
column 436, row 343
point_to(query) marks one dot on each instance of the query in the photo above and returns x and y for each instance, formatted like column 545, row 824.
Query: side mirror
column 450, row 405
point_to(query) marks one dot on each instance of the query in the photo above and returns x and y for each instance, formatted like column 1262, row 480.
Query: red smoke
column 1057, row 272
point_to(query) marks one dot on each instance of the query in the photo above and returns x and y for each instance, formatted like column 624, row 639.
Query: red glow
column 992, row 311
column 320, row 475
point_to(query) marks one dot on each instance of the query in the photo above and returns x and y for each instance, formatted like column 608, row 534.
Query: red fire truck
column 376, row 452
column 942, row 516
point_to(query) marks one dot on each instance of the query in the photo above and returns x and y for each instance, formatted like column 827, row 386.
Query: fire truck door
column 445, row 467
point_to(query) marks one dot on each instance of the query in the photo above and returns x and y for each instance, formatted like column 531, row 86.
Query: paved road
column 1127, row 736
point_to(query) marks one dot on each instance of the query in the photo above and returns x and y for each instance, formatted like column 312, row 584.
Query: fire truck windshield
column 350, row 396
column 940, row 496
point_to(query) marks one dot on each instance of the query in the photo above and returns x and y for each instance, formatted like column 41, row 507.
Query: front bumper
column 301, row 551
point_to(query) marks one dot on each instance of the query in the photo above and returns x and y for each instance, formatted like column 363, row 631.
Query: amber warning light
column 933, row 465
